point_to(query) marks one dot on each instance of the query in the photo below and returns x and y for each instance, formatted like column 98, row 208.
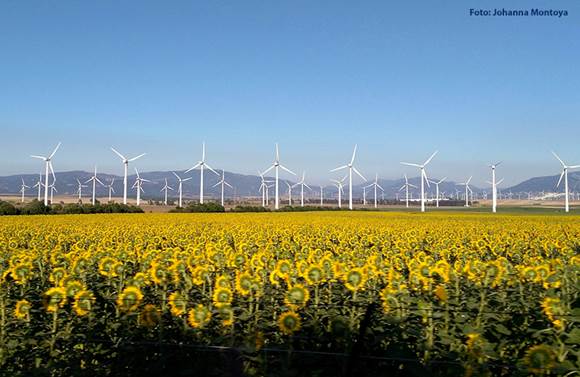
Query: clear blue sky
column 399, row 78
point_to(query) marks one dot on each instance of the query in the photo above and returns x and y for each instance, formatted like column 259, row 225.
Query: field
column 371, row 293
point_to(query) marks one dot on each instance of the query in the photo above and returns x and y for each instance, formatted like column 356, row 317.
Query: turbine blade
column 498, row 182
column 353, row 155
column 227, row 184
column 136, row 172
column 308, row 186
column 574, row 167
column 265, row 171
column 426, row 179
column 54, row 151
column 560, row 180
column 39, row 157
column 339, row 168
column 359, row 174
column 469, row 180
column 410, row 164
column 210, row 168
column 203, row 151
column 430, row 158
column 277, row 153
column 118, row 154
column 134, row 158
column 217, row 184
column 379, row 186
column 194, row 167
column 186, row 179
column 288, row 170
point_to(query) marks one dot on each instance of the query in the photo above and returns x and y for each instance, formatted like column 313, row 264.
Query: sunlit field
column 290, row 294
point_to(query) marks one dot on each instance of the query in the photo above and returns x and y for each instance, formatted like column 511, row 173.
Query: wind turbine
column 365, row 195
column 406, row 187
column 467, row 190
column 165, row 188
column 201, row 164
column 80, row 189
column 126, row 163
column 350, row 167
column 139, row 186
column 437, row 189
column 111, row 189
column 376, row 185
column 424, row 178
column 321, row 195
column 52, row 190
column 94, row 179
column 493, row 187
column 48, row 165
column 565, row 176
column 180, row 189
column 339, row 185
column 23, row 189
column 302, row 184
column 39, row 184
column 276, row 166
column 223, row 183
column 289, row 193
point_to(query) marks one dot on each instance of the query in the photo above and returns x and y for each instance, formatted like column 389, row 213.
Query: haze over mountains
column 248, row 185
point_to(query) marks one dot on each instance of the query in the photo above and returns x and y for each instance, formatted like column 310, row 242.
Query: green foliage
column 250, row 209
column 36, row 207
column 198, row 207
column 7, row 209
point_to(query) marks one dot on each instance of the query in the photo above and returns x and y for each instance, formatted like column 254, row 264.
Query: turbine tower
column 39, row 184
column 493, row 187
column 52, row 190
column 223, row 183
column 406, row 187
column 289, row 193
column 437, row 183
column 48, row 165
column 202, row 165
column 351, row 168
column 94, row 179
column 376, row 185
column 126, row 163
column 165, row 188
column 424, row 178
column 23, row 189
column 180, row 187
column 467, row 190
column 276, row 165
column 321, row 195
column 302, row 184
column 565, row 176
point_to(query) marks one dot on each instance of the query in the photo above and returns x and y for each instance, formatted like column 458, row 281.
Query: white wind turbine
column 166, row 188
column 48, row 165
column 339, row 185
column 223, row 183
column 94, row 179
column 23, row 189
column 467, row 190
column 437, row 183
column 289, row 193
column 52, row 190
column 39, row 184
column 111, row 189
column 201, row 165
column 126, row 163
column 365, row 195
column 321, row 195
column 139, row 186
column 80, row 189
column 376, row 185
column 302, row 184
column 276, row 166
column 180, row 187
column 406, row 187
column 350, row 167
column 424, row 178
column 565, row 176
column 493, row 187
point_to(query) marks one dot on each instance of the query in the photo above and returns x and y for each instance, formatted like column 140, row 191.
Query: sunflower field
column 290, row 294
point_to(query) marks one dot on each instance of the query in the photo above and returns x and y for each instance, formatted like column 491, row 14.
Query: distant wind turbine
column 223, row 183
column 94, row 179
column 565, row 176
column 111, row 189
column 276, row 165
column 180, row 187
column 23, row 189
column 424, row 178
column 126, row 164
column 39, row 185
column 139, row 186
column 376, row 185
column 166, row 188
column 201, row 165
column 467, row 190
column 302, row 184
column 339, row 185
column 437, row 183
column 493, row 187
column 48, row 165
column 350, row 168
column 406, row 188
column 289, row 193
column 80, row 189
column 321, row 195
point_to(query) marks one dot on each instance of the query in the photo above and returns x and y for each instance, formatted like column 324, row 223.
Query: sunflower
column 222, row 296
column 149, row 316
column 140, row 279
column 54, row 298
column 107, row 267
column 552, row 308
column 83, row 302
column 244, row 283
column 129, row 299
column 226, row 314
column 314, row 275
column 540, row 359
column 158, row 273
column 22, row 310
column 441, row 293
column 297, row 296
column 199, row 316
column 177, row 304
column 283, row 268
column 222, row 281
column 355, row 279
column 57, row 275
column 289, row 322
column 21, row 273
column 72, row 287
